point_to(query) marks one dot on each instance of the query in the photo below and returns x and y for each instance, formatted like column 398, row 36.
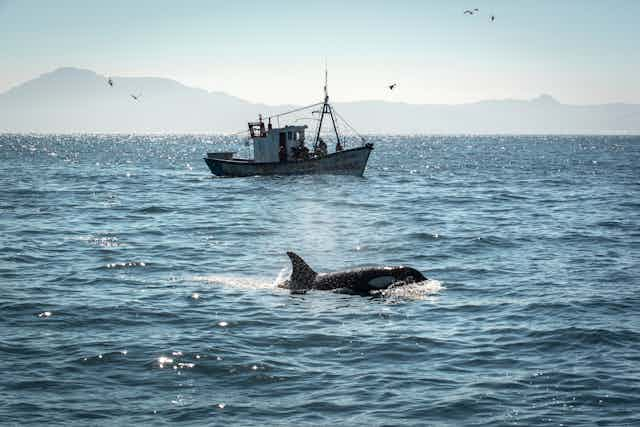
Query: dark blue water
column 137, row 289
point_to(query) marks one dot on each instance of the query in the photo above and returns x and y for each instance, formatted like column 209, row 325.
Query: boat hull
column 346, row 162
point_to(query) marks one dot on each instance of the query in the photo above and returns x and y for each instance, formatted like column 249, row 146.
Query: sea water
column 138, row 289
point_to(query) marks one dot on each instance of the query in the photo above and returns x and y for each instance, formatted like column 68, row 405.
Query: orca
column 360, row 281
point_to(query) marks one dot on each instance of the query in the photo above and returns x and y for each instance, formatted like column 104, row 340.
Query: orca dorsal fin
column 302, row 276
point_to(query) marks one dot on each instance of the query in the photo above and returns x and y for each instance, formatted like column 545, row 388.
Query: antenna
column 326, row 74
column 326, row 109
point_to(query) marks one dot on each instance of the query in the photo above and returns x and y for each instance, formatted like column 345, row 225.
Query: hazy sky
column 581, row 52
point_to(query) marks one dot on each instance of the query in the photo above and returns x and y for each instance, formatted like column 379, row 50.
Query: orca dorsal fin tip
column 302, row 275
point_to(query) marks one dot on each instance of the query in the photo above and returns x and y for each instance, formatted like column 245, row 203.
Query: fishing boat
column 283, row 150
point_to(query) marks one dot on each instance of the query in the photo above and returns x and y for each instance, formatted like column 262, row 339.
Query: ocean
column 138, row 289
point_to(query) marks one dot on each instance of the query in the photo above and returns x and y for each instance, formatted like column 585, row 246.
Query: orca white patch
column 381, row 282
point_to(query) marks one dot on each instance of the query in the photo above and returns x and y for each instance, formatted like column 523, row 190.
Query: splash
column 282, row 277
column 411, row 291
column 238, row 282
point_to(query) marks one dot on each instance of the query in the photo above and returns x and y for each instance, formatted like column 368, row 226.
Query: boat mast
column 326, row 109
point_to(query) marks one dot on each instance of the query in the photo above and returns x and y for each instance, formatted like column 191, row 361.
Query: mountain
column 542, row 115
column 74, row 100
column 70, row 100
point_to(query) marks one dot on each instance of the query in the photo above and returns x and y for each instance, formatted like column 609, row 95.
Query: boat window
column 297, row 136
column 288, row 135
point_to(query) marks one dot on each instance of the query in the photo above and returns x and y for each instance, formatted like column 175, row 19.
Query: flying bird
column 392, row 86
column 493, row 18
column 136, row 97
column 110, row 81
column 471, row 11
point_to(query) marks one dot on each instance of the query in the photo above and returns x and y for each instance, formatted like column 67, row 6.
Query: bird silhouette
column 471, row 11
column 392, row 86
column 110, row 81
column 493, row 18
column 136, row 97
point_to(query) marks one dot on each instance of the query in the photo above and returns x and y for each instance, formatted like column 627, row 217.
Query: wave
column 154, row 210
column 585, row 337
column 427, row 237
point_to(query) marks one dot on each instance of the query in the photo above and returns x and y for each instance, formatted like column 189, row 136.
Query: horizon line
column 409, row 134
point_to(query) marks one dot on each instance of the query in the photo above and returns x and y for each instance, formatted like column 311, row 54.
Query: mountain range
column 72, row 100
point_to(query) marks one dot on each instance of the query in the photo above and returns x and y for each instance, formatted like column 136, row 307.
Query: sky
column 578, row 51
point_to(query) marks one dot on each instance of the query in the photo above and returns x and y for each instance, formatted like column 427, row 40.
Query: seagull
column 493, row 18
column 136, row 96
column 110, row 81
column 471, row 11
column 392, row 86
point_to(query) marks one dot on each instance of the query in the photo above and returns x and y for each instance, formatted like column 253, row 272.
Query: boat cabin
column 275, row 144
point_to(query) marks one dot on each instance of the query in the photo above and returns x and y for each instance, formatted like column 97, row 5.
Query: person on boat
column 282, row 154
column 338, row 147
column 297, row 153
column 322, row 147
column 301, row 152
column 304, row 152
